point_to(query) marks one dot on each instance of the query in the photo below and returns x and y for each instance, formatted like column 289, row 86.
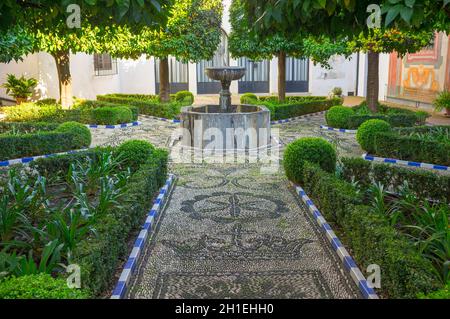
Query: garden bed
column 150, row 104
column 293, row 106
column 29, row 139
column 387, row 216
column 77, row 209
column 341, row 117
column 86, row 112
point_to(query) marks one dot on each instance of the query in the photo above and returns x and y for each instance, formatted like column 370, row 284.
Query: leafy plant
column 442, row 101
column 19, row 88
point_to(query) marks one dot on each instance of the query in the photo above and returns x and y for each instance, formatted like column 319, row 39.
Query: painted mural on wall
column 420, row 76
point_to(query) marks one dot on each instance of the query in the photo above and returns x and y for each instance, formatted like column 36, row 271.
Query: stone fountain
column 226, row 126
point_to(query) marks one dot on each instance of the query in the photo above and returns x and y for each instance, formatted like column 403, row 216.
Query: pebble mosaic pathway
column 229, row 231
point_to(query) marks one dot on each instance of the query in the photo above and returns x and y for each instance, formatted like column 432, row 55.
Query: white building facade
column 99, row 74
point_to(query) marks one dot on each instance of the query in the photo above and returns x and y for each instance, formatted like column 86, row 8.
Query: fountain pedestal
column 226, row 126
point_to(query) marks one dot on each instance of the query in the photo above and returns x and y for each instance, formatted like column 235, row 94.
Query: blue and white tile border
column 139, row 245
column 347, row 260
column 124, row 125
column 292, row 119
column 341, row 130
column 25, row 160
column 174, row 121
column 371, row 158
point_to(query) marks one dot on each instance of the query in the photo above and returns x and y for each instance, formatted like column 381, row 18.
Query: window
column 104, row 64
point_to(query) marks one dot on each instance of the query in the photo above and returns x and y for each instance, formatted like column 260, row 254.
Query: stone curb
column 136, row 123
column 130, row 266
column 25, row 160
column 342, row 130
column 348, row 262
column 161, row 119
column 371, row 158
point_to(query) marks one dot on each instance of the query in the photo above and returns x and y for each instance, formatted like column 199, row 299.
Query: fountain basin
column 247, row 127
column 229, row 73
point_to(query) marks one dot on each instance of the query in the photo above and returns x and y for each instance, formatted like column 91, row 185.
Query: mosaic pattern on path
column 237, row 236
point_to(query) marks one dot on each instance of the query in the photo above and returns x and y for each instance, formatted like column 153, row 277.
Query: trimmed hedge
column 412, row 148
column 395, row 120
column 30, row 112
column 92, row 104
column 313, row 149
column 423, row 183
column 147, row 106
column 67, row 136
column 369, row 236
column 295, row 105
column 100, row 256
column 184, row 97
column 26, row 127
column 248, row 98
column 134, row 153
column 40, row 286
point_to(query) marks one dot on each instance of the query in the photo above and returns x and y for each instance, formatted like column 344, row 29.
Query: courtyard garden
column 335, row 201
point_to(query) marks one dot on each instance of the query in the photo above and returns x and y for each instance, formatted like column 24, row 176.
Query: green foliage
column 315, row 150
column 442, row 101
column 423, row 184
column 370, row 237
column 46, row 102
column 39, row 286
column 414, row 144
column 87, row 112
column 248, row 98
column 294, row 105
column 19, row 88
column 15, row 43
column 135, row 153
column 67, row 136
column 100, row 256
column 184, row 97
column 148, row 106
column 82, row 135
column 337, row 91
column 108, row 114
column 443, row 293
column 367, row 132
column 337, row 116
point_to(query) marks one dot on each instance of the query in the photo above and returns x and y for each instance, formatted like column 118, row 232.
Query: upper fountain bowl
column 226, row 73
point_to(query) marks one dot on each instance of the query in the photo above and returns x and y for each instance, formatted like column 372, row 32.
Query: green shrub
column 147, row 106
column 443, row 293
column 184, row 97
column 67, row 136
column 111, row 115
column 134, row 153
column 248, row 98
column 15, row 128
column 294, row 106
column 424, row 184
column 442, row 101
column 40, row 286
column 100, row 256
column 369, row 236
column 92, row 104
column 30, row 112
column 81, row 134
column 337, row 116
column 367, row 131
column 47, row 102
column 312, row 149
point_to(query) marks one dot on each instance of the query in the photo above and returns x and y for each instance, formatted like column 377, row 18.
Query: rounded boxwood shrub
column 311, row 149
column 338, row 116
column 184, row 96
column 367, row 131
column 134, row 153
column 81, row 134
column 248, row 98
column 111, row 115
column 39, row 286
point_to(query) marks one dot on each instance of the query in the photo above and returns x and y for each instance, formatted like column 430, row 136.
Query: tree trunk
column 62, row 59
column 281, row 76
column 164, row 85
column 373, row 59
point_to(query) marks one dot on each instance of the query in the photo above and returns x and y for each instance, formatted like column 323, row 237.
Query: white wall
column 28, row 67
column 342, row 74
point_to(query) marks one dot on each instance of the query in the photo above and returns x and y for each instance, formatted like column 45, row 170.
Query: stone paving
column 229, row 231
